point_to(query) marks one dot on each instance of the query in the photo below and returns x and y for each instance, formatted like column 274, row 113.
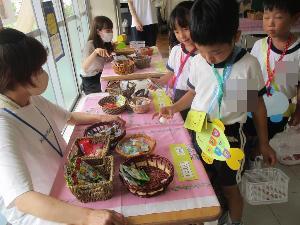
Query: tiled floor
column 277, row 214
column 163, row 45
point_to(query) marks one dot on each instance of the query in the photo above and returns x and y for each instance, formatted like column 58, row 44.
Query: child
column 96, row 53
column 215, row 75
column 181, row 54
column 31, row 144
column 280, row 45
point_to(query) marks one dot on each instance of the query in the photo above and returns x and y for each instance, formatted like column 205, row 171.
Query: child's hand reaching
column 163, row 80
column 268, row 154
column 165, row 112
column 159, row 82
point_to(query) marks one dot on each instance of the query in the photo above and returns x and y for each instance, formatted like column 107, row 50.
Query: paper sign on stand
column 183, row 163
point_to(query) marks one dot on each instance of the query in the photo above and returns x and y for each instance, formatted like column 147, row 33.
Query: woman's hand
column 105, row 217
column 102, row 52
column 109, row 118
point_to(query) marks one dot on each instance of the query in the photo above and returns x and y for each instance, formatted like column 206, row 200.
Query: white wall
column 104, row 8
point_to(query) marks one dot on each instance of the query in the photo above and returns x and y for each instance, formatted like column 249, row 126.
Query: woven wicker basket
column 150, row 141
column 123, row 67
column 97, row 128
column 142, row 61
column 76, row 152
column 141, row 93
column 112, row 99
column 159, row 169
column 124, row 51
column 137, row 108
column 114, row 88
column 146, row 51
column 91, row 192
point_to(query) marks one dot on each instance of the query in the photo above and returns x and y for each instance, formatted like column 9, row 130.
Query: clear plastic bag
column 287, row 146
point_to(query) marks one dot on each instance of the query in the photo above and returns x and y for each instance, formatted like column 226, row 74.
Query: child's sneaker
column 223, row 220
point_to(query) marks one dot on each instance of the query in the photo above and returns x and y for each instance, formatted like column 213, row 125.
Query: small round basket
column 132, row 140
column 115, row 88
column 124, row 51
column 160, row 171
column 140, row 104
column 115, row 129
column 146, row 51
column 123, row 67
column 109, row 104
column 142, row 61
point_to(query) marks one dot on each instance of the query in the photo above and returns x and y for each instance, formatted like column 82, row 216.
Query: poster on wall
column 53, row 30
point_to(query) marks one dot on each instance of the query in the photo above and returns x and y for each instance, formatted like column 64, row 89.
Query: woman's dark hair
column 214, row 21
column 181, row 16
column 21, row 57
column 99, row 23
column 290, row 6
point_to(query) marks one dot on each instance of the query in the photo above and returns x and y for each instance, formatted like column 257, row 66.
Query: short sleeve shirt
column 242, row 87
column 27, row 161
column 97, row 64
column 176, row 56
column 287, row 75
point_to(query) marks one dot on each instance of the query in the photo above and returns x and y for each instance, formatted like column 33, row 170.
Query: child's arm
column 139, row 25
column 260, row 122
column 162, row 81
column 184, row 103
column 51, row 209
column 87, row 118
column 295, row 119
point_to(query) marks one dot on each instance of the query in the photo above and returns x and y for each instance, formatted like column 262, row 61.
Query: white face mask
column 107, row 37
column 40, row 81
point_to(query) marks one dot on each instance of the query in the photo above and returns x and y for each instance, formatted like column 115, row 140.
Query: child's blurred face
column 106, row 34
column 40, row 81
column 183, row 35
column 277, row 23
column 216, row 53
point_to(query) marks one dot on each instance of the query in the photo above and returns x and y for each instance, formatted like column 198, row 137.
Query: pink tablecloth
column 179, row 195
column 248, row 26
column 157, row 66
